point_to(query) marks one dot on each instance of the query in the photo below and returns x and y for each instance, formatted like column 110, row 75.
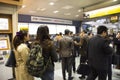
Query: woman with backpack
column 48, row 52
column 21, row 54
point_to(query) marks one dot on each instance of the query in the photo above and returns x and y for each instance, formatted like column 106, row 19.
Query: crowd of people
column 94, row 50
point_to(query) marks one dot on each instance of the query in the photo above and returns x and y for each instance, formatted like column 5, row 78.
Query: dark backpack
column 35, row 62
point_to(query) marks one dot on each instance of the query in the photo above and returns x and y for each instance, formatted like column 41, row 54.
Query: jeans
column 48, row 75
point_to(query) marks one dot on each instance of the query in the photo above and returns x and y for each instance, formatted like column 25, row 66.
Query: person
column 98, row 54
column 56, row 43
column 83, row 50
column 117, row 44
column 48, row 51
column 65, row 48
column 21, row 53
column 76, row 47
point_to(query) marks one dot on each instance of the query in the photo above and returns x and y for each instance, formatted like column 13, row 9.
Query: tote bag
column 11, row 62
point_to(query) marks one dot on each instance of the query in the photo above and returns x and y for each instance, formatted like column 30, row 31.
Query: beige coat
column 21, row 56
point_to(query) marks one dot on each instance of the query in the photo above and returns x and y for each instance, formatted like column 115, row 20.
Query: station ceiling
column 63, row 9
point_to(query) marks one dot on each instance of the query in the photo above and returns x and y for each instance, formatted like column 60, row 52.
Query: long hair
column 19, row 38
column 42, row 33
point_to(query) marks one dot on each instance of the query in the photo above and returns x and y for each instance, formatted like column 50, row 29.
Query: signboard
column 4, row 43
column 104, row 11
column 4, row 24
column 113, row 19
column 50, row 20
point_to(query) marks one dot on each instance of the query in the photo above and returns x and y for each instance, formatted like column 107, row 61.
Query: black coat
column 99, row 52
column 117, row 43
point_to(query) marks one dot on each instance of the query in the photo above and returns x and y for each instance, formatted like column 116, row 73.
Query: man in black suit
column 98, row 54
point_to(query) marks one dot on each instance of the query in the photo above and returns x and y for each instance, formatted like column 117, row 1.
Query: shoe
column 74, row 71
column 118, row 74
column 70, row 78
column 82, row 77
column 12, row 79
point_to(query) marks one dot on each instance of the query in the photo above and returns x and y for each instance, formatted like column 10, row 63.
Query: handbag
column 83, row 69
column 11, row 62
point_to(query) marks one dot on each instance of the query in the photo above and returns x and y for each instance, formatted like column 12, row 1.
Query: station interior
column 58, row 15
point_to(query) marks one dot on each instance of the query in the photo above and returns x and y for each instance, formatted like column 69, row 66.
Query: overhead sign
column 104, row 11
column 50, row 20
column 114, row 19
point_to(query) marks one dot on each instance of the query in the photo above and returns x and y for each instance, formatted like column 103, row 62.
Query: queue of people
column 95, row 50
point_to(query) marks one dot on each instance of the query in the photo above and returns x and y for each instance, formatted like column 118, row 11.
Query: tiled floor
column 58, row 72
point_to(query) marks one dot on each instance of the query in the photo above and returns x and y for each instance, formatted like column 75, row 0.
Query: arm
column 116, row 41
column 24, row 51
column 107, row 49
column 54, row 56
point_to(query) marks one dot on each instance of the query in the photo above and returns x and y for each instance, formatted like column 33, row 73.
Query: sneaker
column 118, row 74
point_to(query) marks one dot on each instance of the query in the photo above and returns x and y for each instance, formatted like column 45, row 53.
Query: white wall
column 53, row 29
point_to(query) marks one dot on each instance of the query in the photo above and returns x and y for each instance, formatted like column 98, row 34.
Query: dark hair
column 19, row 38
column 60, row 33
column 67, row 31
column 42, row 33
column 71, row 32
column 84, row 31
column 101, row 29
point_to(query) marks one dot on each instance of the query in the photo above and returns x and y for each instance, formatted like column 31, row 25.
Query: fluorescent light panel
column 51, row 3
column 55, row 11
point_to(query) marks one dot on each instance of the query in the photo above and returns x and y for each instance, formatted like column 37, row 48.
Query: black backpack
column 35, row 62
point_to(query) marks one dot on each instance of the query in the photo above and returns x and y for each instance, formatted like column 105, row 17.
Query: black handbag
column 83, row 69
column 11, row 62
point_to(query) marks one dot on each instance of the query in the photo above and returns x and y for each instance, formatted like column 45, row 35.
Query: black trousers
column 101, row 74
column 74, row 64
column 76, row 51
column 110, row 68
column 83, row 60
column 67, row 66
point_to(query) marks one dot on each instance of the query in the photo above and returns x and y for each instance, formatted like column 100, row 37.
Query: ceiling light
column 55, row 11
column 114, row 0
column 67, row 14
column 51, row 3
column 32, row 11
column 54, row 0
column 79, row 10
column 23, row 6
column 43, row 9
column 76, row 15
column 67, row 7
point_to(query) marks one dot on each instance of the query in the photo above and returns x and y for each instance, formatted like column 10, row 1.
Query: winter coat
column 21, row 55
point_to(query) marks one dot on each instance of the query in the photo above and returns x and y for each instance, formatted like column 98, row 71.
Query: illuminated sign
column 114, row 19
column 104, row 11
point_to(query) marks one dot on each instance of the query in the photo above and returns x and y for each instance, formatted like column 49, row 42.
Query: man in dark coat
column 98, row 54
